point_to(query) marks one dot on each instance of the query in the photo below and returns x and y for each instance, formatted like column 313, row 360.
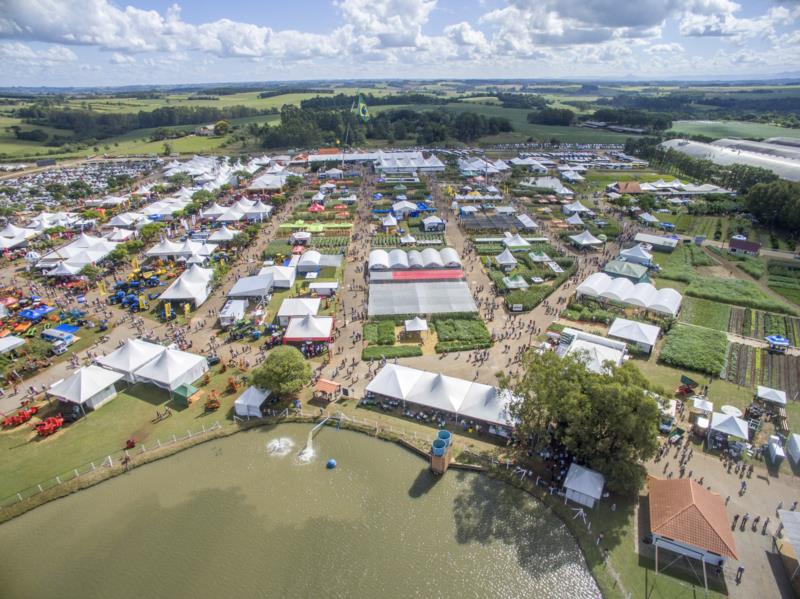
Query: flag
column 363, row 111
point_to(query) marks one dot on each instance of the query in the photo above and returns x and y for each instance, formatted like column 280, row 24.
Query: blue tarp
column 36, row 313
column 67, row 328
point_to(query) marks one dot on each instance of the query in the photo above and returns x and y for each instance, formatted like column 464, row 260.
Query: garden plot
column 695, row 348
column 705, row 313
column 784, row 278
column 748, row 366
column 758, row 324
column 737, row 292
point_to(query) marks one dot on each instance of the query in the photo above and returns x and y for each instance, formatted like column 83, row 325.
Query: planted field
column 749, row 366
column 758, row 324
column 461, row 334
column 784, row 278
column 705, row 313
column 737, row 292
column 695, row 348
column 680, row 264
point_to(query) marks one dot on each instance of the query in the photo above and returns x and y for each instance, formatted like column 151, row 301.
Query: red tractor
column 20, row 417
column 48, row 426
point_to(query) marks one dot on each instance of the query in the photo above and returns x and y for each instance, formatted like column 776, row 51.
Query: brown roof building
column 742, row 246
column 684, row 515
column 629, row 187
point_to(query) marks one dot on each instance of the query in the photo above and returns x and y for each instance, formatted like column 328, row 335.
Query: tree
column 91, row 272
column 221, row 127
column 607, row 421
column 150, row 231
column 552, row 116
column 167, row 149
column 284, row 372
column 180, row 179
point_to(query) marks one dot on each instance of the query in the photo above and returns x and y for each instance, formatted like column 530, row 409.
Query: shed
column 583, row 485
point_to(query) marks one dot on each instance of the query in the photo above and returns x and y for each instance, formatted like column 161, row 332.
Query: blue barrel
column 438, row 447
column 445, row 436
column 331, row 464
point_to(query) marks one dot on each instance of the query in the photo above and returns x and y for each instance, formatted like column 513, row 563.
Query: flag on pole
column 363, row 111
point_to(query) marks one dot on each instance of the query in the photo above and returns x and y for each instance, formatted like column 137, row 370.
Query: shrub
column 451, row 346
column 695, row 348
column 376, row 352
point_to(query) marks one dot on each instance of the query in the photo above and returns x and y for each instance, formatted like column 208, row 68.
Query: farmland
column 784, row 278
column 749, row 366
column 705, row 313
column 695, row 348
column 719, row 129
column 758, row 324
column 737, row 292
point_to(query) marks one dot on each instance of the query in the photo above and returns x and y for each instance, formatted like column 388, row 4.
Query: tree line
column 88, row 124
column 345, row 101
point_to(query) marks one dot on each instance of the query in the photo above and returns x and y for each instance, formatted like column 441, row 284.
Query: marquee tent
column 575, row 220
column 585, row 239
column 222, row 234
column 10, row 342
column 643, row 295
column 514, row 241
column 583, row 485
column 256, row 287
column 134, row 354
column 172, row 369
column 283, row 277
column 438, row 297
column 506, row 259
column 90, row 387
column 249, row 403
column 637, row 254
column 729, row 425
column 642, row 334
column 771, row 395
column 193, row 285
column 416, row 325
column 297, row 306
column 309, row 328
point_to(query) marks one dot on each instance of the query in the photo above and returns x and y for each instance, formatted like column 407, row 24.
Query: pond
column 253, row 516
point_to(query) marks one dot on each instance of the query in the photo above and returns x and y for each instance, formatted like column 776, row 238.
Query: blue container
column 331, row 464
column 445, row 436
column 438, row 447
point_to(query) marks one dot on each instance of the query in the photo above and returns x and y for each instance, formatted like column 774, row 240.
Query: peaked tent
column 134, row 354
column 90, row 387
column 583, row 485
column 771, row 395
column 248, row 404
column 416, row 325
column 309, row 328
column 585, row 239
column 172, row 369
column 258, row 287
column 729, row 425
column 506, row 258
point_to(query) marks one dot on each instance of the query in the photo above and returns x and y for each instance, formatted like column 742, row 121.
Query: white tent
column 514, row 241
column 416, row 325
column 637, row 254
column 643, row 335
column 583, row 486
column 193, row 285
column 172, row 369
column 703, row 405
column 729, row 425
column 771, row 395
column 389, row 221
column 585, row 239
column 10, row 342
column 575, row 220
column 90, row 387
column 163, row 249
column 214, row 211
column 310, row 261
column 117, row 234
column 64, row 270
column 128, row 219
column 248, row 404
column 259, row 287
column 231, row 215
column 575, row 208
column 506, row 259
column 222, row 234
column 297, row 306
column 283, row 277
column 309, row 328
column 232, row 311
column 134, row 354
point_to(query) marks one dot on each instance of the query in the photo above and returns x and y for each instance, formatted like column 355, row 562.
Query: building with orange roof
column 687, row 519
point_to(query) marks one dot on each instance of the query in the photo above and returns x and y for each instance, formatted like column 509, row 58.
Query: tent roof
column 729, row 425
column 299, row 306
column 309, row 328
column 772, row 395
column 505, row 258
column 515, row 241
column 168, row 367
column 252, row 396
column 134, row 354
column 585, row 481
column 10, row 342
column 222, row 234
column 631, row 330
column 257, row 286
column 637, row 251
column 84, row 384
column 703, row 404
column 416, row 324
column 684, row 511
column 585, row 238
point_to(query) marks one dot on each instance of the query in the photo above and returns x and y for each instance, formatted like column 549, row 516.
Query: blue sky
column 104, row 42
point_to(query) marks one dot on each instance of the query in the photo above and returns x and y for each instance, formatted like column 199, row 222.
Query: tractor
column 49, row 425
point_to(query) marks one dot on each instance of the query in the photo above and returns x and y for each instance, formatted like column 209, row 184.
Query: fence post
column 19, row 496
column 188, row 434
column 58, row 480
column 76, row 473
column 174, row 439
column 204, row 428
column 40, row 488
column 158, row 443
column 143, row 448
column 93, row 467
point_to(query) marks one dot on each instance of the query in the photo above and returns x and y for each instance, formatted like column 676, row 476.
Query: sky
column 109, row 43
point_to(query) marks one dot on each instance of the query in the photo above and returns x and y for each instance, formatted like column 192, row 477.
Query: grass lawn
column 28, row 460
column 718, row 129
column 705, row 313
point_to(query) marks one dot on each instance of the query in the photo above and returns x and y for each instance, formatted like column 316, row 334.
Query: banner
column 167, row 310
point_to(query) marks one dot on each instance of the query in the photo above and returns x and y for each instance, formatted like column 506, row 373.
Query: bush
column 462, row 330
column 376, row 352
column 695, row 348
column 451, row 346
column 386, row 333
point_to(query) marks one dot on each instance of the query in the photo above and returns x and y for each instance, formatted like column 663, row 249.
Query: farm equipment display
column 20, row 417
column 49, row 425
column 212, row 403
column 687, row 386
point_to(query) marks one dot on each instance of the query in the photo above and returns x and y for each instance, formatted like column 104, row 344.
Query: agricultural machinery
column 20, row 417
column 49, row 425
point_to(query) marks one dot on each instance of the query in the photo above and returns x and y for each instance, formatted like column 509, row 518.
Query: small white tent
column 248, row 404
column 583, row 486
column 771, row 395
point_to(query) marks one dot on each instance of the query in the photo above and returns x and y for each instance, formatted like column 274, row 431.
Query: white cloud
column 120, row 58
column 670, row 48
column 22, row 54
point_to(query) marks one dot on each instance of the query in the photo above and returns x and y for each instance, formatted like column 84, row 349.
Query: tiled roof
column 684, row 511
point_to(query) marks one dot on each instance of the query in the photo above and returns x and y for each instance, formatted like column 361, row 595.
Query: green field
column 522, row 128
column 719, row 129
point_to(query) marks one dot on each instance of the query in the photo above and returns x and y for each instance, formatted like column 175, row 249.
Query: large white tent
column 193, row 285
column 583, row 485
column 90, row 387
column 637, row 254
column 465, row 398
column 585, row 239
column 257, row 287
column 729, row 425
column 85, row 249
column 298, row 306
column 309, row 328
column 172, row 369
column 642, row 334
column 248, row 404
column 131, row 356
column 222, row 234
column 283, row 277
column 643, row 295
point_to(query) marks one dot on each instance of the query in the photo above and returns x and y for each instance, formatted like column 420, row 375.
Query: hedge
column 376, row 352
column 451, row 346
